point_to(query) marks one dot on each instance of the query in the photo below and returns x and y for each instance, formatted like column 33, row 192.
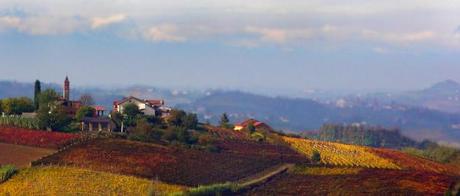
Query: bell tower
column 66, row 94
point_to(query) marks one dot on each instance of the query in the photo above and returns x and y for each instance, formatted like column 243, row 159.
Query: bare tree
column 87, row 100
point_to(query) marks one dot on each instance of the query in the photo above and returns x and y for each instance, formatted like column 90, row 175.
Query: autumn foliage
column 168, row 164
column 66, row 180
column 341, row 154
column 36, row 138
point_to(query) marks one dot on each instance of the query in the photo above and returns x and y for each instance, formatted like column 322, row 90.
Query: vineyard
column 36, row 138
column 325, row 171
column 366, row 182
column 226, row 134
column 168, row 164
column 341, row 154
column 64, row 180
column 415, row 163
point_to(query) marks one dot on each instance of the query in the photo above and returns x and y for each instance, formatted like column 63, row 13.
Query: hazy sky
column 282, row 44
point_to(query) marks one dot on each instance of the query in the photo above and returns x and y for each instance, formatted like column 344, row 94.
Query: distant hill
column 302, row 114
column 442, row 96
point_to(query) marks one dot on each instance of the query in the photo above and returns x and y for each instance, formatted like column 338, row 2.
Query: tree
column 224, row 121
column 144, row 131
column 131, row 111
column 251, row 128
column 316, row 157
column 50, row 114
column 190, row 121
column 176, row 118
column 116, row 118
column 37, row 91
column 48, row 96
column 53, row 117
column 17, row 106
column 85, row 111
column 86, row 100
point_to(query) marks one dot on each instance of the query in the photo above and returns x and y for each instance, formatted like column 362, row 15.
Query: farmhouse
column 257, row 124
column 98, row 122
column 151, row 107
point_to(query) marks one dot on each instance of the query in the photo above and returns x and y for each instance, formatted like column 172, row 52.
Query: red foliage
column 415, row 163
column 367, row 182
column 168, row 164
column 224, row 133
column 262, row 149
column 36, row 138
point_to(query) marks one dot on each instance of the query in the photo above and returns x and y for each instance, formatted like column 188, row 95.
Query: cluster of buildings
column 150, row 107
column 101, row 122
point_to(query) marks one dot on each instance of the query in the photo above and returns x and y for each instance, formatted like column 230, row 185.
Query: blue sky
column 257, row 44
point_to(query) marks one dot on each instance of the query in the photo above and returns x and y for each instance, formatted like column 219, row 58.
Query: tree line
column 365, row 135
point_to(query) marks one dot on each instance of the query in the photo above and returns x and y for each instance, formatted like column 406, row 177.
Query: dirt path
column 264, row 176
column 21, row 156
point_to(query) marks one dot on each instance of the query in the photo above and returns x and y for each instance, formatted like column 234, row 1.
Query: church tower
column 66, row 94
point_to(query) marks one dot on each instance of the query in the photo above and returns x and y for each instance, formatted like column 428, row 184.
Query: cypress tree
column 37, row 91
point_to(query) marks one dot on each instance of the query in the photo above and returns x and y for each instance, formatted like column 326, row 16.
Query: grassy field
column 73, row 181
column 21, row 156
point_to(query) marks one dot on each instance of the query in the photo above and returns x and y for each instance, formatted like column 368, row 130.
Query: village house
column 98, row 122
column 257, row 124
column 150, row 107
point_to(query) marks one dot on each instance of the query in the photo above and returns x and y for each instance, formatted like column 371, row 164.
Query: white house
column 148, row 107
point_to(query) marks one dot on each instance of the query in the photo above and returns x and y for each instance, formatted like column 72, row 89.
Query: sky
column 257, row 44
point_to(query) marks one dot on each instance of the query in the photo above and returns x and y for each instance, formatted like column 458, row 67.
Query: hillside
column 280, row 165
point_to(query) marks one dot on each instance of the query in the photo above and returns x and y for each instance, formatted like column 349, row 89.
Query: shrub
column 212, row 148
column 316, row 157
column 6, row 172
column 437, row 153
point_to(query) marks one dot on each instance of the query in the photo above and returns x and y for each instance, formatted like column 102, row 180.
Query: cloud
column 280, row 35
column 9, row 22
column 164, row 33
column 401, row 38
column 99, row 22
column 269, row 34
column 259, row 22
column 42, row 25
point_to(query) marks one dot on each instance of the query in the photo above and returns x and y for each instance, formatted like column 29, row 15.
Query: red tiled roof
column 253, row 121
column 151, row 102
column 99, row 108
column 155, row 102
